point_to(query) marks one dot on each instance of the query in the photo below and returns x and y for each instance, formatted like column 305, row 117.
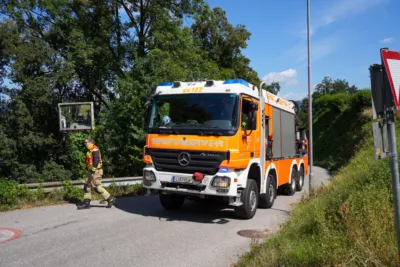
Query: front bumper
column 166, row 181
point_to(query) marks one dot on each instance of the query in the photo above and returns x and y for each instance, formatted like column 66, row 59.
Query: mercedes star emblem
column 184, row 159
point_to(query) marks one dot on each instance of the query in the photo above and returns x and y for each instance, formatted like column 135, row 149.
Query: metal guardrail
column 50, row 186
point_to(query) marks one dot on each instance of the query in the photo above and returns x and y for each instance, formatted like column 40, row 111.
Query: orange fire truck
column 225, row 139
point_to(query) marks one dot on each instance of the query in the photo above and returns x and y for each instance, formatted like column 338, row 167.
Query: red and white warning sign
column 391, row 59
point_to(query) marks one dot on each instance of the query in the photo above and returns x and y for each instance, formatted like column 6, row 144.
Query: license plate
column 182, row 179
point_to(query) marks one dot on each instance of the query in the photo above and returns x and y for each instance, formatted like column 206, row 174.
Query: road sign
column 382, row 97
column 391, row 60
column 382, row 81
column 76, row 116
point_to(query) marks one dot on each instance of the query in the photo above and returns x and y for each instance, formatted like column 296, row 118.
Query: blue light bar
column 166, row 84
column 237, row 81
column 223, row 169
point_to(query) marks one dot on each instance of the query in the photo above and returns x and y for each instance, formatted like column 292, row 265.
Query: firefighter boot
column 84, row 205
column 111, row 201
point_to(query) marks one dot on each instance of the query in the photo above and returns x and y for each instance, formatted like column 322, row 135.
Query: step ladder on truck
column 222, row 139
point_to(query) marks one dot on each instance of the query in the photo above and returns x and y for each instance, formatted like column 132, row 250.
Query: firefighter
column 94, row 166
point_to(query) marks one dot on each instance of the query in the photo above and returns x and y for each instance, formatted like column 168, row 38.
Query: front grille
column 206, row 162
column 199, row 187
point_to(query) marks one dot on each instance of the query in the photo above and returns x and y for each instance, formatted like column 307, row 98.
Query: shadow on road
column 192, row 211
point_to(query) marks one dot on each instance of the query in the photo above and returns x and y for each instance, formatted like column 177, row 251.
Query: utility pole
column 310, row 137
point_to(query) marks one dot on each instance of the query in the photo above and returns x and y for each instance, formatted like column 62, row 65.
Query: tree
column 328, row 86
column 273, row 88
column 73, row 51
column 223, row 43
column 30, row 143
column 150, row 16
column 303, row 114
column 82, row 36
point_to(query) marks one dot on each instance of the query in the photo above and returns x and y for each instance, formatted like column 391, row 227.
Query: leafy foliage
column 339, row 113
column 222, row 43
column 112, row 53
column 328, row 86
column 338, row 127
column 13, row 195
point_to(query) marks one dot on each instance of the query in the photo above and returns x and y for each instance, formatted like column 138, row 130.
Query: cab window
column 247, row 113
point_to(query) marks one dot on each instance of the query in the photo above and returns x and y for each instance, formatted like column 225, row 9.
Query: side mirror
column 150, row 99
column 148, row 102
column 147, row 116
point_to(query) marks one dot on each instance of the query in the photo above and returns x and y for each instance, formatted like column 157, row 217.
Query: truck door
column 248, row 128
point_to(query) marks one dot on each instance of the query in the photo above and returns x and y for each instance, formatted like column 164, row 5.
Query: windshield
column 194, row 111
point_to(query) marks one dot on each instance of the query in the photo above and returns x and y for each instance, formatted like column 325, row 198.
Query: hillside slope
column 338, row 127
column 349, row 222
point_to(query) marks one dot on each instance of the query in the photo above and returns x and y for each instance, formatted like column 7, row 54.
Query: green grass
column 349, row 222
column 13, row 196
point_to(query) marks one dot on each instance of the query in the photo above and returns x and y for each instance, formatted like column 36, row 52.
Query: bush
column 12, row 194
column 334, row 103
column 361, row 99
column 126, row 190
column 72, row 193
column 55, row 172
column 8, row 193
column 340, row 126
column 76, row 155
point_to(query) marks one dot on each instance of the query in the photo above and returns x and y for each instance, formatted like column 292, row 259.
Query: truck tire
column 300, row 179
column 267, row 199
column 290, row 188
column 249, row 199
column 171, row 201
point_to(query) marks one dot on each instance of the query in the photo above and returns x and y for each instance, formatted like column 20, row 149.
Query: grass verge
column 348, row 222
column 13, row 196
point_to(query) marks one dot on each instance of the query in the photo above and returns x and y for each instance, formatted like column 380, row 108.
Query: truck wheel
column 249, row 199
column 300, row 179
column 290, row 188
column 267, row 200
column 171, row 201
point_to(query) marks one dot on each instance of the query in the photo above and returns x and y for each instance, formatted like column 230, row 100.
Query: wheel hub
column 293, row 183
column 271, row 192
column 253, row 199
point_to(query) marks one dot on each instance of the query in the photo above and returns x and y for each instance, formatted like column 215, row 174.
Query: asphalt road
column 137, row 232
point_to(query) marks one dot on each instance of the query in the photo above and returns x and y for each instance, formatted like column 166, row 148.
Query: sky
column 345, row 38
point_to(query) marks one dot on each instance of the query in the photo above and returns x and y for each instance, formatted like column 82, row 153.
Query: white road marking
column 5, row 235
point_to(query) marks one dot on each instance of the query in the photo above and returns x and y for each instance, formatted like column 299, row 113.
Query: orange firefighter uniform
column 94, row 165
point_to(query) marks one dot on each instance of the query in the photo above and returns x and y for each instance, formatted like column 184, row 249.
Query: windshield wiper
column 169, row 132
column 210, row 133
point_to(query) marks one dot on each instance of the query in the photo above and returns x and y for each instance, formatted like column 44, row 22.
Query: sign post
column 385, row 87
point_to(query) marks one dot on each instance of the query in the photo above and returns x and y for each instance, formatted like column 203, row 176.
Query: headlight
column 221, row 181
column 149, row 176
